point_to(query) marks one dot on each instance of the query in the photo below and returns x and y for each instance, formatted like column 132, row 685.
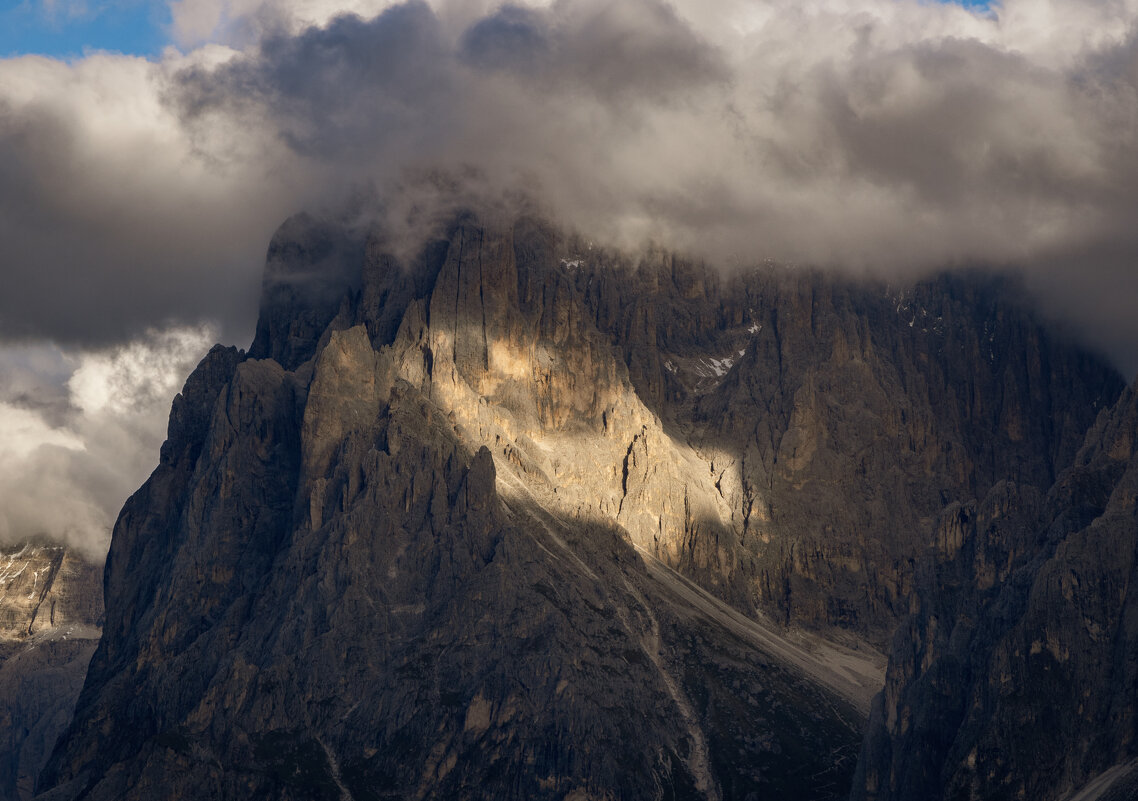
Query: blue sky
column 68, row 28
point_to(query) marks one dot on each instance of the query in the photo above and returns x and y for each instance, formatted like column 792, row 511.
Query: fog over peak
column 885, row 137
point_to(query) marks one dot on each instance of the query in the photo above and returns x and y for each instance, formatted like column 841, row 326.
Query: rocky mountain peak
column 522, row 517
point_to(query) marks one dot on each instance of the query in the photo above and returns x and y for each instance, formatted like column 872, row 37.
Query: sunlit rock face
column 426, row 538
column 851, row 416
column 51, row 603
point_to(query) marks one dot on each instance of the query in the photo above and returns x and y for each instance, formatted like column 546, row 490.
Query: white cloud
column 139, row 375
column 25, row 432
column 65, row 474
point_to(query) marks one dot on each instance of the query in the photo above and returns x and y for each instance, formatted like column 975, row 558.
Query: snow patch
column 8, row 576
column 718, row 366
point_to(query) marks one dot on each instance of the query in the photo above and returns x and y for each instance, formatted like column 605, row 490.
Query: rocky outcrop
column 526, row 519
column 50, row 610
column 1014, row 677
column 381, row 572
column 842, row 417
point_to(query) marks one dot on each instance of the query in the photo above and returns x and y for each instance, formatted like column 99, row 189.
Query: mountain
column 521, row 517
column 50, row 610
column 1015, row 675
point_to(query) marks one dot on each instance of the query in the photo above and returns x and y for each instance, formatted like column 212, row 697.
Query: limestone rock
column 1015, row 675
column 523, row 518
column 50, row 613
column 419, row 636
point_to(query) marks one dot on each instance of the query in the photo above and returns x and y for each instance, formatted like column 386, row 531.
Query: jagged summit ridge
column 341, row 597
column 906, row 417
column 421, row 540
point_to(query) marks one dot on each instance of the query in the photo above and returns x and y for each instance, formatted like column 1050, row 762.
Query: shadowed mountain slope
column 1015, row 675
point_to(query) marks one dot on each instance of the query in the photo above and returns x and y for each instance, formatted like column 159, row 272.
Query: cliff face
column 785, row 438
column 436, row 534
column 1014, row 677
column 50, row 610
column 841, row 418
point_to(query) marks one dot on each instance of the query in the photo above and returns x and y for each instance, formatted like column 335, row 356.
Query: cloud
column 872, row 135
column 880, row 136
column 633, row 52
column 81, row 431
column 115, row 216
column 241, row 22
column 890, row 136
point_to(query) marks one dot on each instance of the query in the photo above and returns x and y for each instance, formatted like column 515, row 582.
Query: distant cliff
column 51, row 602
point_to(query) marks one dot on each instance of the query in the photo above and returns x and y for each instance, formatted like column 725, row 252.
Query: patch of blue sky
column 68, row 29
column 978, row 5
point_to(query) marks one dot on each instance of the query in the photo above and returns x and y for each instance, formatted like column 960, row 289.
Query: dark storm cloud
column 521, row 103
column 621, row 52
column 107, row 225
column 336, row 91
column 871, row 135
column 397, row 90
